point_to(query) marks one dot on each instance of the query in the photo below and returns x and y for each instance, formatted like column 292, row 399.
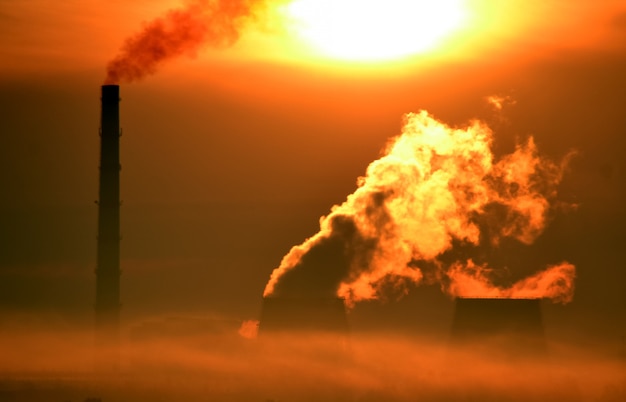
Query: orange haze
column 49, row 365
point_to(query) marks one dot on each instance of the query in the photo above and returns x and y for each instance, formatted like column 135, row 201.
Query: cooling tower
column 107, row 306
column 306, row 314
column 499, row 326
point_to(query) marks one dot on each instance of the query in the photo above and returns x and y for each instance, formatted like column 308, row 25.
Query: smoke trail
column 434, row 186
column 181, row 31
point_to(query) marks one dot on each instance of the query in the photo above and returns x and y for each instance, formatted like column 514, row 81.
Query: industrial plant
column 304, row 331
column 514, row 324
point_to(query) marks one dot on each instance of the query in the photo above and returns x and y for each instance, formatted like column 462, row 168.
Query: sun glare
column 374, row 30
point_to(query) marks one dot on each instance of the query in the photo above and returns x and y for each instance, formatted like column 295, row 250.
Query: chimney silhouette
column 107, row 307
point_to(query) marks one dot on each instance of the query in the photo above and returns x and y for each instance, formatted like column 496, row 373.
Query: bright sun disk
column 374, row 30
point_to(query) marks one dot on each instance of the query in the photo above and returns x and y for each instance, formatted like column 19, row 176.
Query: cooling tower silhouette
column 499, row 327
column 310, row 314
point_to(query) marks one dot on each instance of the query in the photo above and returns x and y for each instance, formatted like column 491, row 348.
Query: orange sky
column 231, row 157
column 45, row 36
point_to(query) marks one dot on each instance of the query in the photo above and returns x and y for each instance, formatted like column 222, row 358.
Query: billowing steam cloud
column 434, row 188
column 180, row 32
column 470, row 280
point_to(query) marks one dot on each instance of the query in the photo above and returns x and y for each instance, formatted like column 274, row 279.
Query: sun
column 374, row 30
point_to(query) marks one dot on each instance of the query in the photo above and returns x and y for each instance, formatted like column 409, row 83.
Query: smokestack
column 107, row 308
column 499, row 327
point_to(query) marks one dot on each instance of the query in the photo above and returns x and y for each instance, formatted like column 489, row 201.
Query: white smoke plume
column 435, row 186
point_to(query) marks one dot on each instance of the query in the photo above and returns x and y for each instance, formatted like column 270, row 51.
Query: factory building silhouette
column 107, row 303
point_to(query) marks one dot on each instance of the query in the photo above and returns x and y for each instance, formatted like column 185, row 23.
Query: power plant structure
column 510, row 326
column 107, row 305
column 502, row 327
column 303, row 314
column 307, row 326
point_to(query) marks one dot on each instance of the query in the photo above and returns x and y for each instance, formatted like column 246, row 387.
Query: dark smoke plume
column 182, row 31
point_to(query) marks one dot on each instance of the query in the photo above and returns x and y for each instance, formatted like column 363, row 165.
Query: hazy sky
column 229, row 158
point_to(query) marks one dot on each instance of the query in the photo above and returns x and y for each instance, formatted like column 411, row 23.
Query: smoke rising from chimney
column 182, row 31
column 434, row 187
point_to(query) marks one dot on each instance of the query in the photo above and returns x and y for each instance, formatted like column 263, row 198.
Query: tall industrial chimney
column 107, row 307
